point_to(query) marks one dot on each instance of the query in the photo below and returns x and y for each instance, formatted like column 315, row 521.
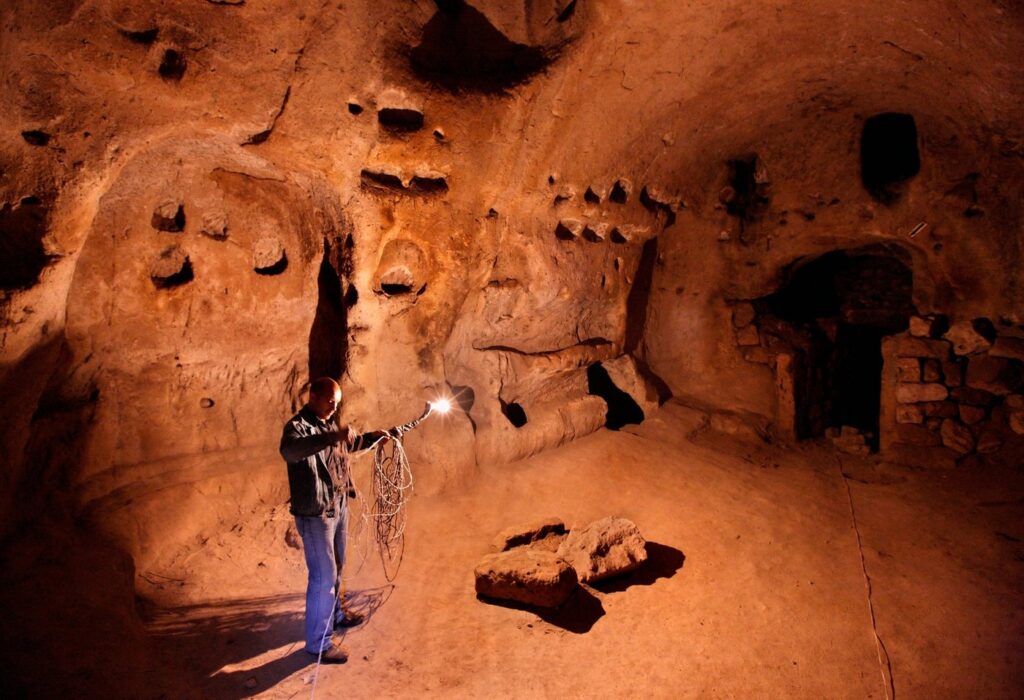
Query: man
column 318, row 476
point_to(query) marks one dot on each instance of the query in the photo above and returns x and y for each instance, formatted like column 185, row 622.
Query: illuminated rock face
column 482, row 199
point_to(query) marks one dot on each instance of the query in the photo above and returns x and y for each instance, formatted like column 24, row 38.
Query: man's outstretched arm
column 367, row 440
column 295, row 447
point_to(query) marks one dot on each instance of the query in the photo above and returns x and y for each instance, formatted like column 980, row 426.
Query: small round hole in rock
column 172, row 66
column 206, row 403
column 355, row 108
column 515, row 413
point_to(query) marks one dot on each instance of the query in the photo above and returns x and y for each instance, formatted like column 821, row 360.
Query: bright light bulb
column 442, row 405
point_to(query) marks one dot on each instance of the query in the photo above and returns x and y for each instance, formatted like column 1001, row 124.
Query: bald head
column 324, row 397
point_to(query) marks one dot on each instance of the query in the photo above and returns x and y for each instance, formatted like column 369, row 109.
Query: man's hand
column 341, row 435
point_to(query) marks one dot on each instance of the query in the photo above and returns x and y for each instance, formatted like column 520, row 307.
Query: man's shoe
column 334, row 654
column 347, row 619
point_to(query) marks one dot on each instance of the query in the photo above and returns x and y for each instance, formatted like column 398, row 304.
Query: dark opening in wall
column 394, row 289
column 619, row 193
column 889, row 154
column 274, row 269
column 34, row 137
column 400, row 119
column 381, row 180
column 143, row 36
column 328, row 336
column 622, row 409
column 591, row 196
column 514, row 412
column 168, row 217
column 749, row 192
column 172, row 66
column 22, row 256
column 461, row 49
column 639, row 293
column 355, row 108
column 428, row 184
column 351, row 296
column 183, row 276
column 831, row 316
column 567, row 13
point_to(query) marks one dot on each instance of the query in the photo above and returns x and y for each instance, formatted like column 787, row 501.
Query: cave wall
column 508, row 193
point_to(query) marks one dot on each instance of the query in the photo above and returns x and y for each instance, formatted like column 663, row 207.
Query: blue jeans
column 323, row 542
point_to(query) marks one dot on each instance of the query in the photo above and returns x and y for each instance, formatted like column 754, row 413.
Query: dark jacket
column 315, row 462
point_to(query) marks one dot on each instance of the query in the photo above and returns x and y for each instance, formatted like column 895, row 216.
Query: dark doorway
column 831, row 315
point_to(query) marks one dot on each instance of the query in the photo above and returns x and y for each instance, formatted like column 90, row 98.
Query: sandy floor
column 755, row 587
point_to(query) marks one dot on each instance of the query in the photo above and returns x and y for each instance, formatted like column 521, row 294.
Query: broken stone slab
column 966, row 339
column 957, row 436
column 918, row 393
column 852, row 446
column 526, row 575
column 996, row 375
column 1016, row 421
column 268, row 256
column 1008, row 347
column 907, row 346
column 604, row 548
column 519, row 535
